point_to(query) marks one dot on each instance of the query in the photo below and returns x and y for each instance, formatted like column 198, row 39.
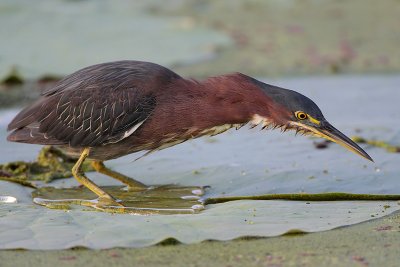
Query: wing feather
column 89, row 120
column 97, row 105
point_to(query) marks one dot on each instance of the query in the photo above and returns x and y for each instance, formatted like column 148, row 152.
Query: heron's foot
column 167, row 199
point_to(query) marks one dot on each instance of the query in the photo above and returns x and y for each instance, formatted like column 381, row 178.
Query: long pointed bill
column 326, row 130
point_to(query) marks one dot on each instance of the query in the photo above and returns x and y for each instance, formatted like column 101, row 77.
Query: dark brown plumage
column 91, row 107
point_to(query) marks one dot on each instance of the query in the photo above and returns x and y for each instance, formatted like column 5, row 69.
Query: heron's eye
column 301, row 115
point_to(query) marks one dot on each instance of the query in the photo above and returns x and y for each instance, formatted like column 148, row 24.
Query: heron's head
column 291, row 110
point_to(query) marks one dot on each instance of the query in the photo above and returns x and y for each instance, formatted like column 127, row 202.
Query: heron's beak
column 327, row 131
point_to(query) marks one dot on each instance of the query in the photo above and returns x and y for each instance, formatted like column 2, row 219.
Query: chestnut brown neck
column 224, row 100
column 237, row 97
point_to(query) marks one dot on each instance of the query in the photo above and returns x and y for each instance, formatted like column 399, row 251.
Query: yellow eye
column 301, row 115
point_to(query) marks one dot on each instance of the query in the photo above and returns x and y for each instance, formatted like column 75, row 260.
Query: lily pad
column 237, row 163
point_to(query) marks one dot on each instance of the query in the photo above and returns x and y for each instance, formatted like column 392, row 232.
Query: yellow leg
column 131, row 183
column 142, row 200
column 80, row 176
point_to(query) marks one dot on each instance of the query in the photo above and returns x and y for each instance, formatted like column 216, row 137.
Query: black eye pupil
column 302, row 116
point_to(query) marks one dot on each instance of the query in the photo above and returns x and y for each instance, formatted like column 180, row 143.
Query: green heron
column 109, row 110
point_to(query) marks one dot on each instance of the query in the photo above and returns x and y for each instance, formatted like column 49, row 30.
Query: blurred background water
column 57, row 37
column 203, row 37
